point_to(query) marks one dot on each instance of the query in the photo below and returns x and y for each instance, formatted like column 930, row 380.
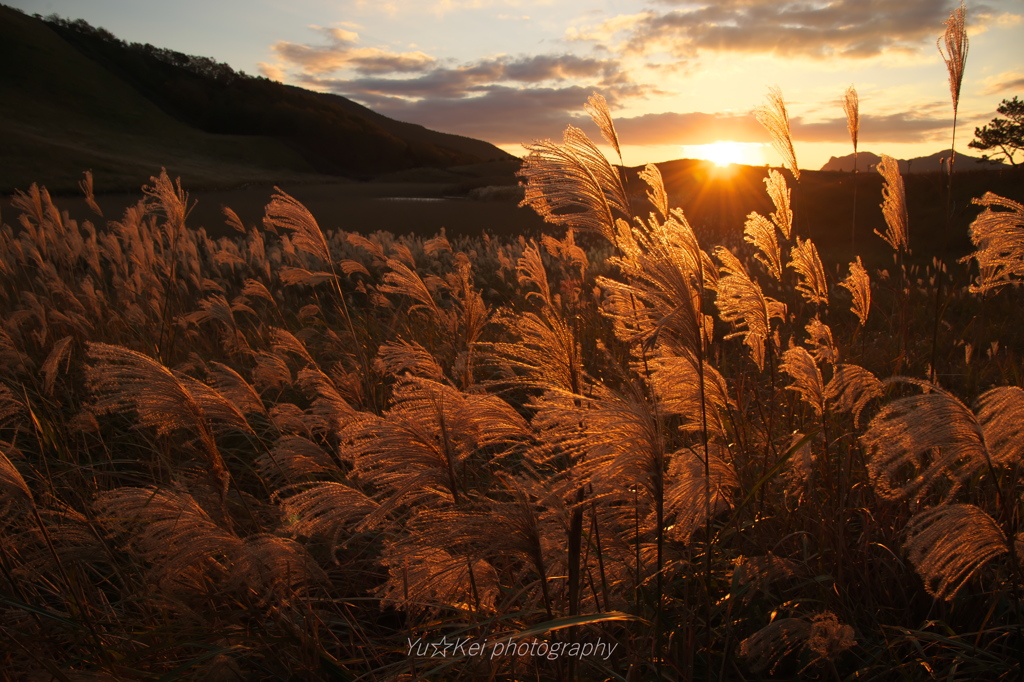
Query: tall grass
column 298, row 454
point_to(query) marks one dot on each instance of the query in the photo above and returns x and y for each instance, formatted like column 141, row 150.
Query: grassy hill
column 125, row 111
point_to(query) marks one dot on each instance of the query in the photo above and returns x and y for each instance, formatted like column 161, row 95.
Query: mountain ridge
column 932, row 163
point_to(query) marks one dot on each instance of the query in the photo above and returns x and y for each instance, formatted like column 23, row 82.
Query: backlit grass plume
column 572, row 183
column 775, row 119
column 998, row 237
column 894, row 205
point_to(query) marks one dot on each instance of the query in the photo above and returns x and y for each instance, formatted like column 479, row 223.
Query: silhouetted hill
column 126, row 110
column 933, row 163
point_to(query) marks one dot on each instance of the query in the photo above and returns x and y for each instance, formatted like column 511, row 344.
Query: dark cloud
column 901, row 127
column 468, row 79
column 497, row 113
column 842, row 28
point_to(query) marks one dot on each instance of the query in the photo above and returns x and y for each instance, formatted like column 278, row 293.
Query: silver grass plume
column 949, row 543
column 12, row 485
column 894, row 204
column 760, row 232
column 998, row 237
column 779, row 192
column 126, row 380
column 955, row 42
column 170, row 530
column 825, row 637
column 408, row 356
column 859, row 285
column 677, row 384
column 851, row 106
column 326, row 509
column 690, row 496
column 768, row 646
column 573, row 184
column 807, row 381
column 86, row 185
column 820, row 341
column 274, row 568
column 1001, row 414
column 597, row 107
column 741, row 303
column 852, row 387
column 59, row 354
column 294, row 459
column 287, row 212
column 657, row 195
column 923, row 443
column 775, row 119
column 812, row 284
column 422, row 578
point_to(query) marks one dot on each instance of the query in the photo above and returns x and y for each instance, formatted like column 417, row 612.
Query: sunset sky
column 679, row 75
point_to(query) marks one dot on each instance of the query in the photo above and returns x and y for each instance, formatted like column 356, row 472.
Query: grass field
column 634, row 446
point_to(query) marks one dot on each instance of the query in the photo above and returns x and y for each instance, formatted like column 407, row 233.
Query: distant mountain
column 921, row 164
column 76, row 97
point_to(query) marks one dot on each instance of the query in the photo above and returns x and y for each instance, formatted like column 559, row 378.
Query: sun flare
column 725, row 152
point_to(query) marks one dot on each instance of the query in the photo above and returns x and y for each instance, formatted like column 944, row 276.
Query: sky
column 682, row 78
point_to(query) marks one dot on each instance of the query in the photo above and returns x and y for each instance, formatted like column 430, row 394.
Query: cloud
column 503, row 99
column 842, row 28
column 342, row 52
column 1009, row 81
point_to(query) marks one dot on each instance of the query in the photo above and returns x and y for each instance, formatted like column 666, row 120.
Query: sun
column 726, row 152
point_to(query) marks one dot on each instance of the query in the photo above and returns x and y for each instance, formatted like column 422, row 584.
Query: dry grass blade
column 949, row 543
column 955, row 53
column 859, row 285
column 894, row 204
column 998, row 237
column 775, row 119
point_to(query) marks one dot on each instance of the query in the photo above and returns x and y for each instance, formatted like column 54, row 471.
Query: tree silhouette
column 1003, row 134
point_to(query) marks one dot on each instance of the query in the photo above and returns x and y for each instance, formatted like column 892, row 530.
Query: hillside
column 125, row 111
